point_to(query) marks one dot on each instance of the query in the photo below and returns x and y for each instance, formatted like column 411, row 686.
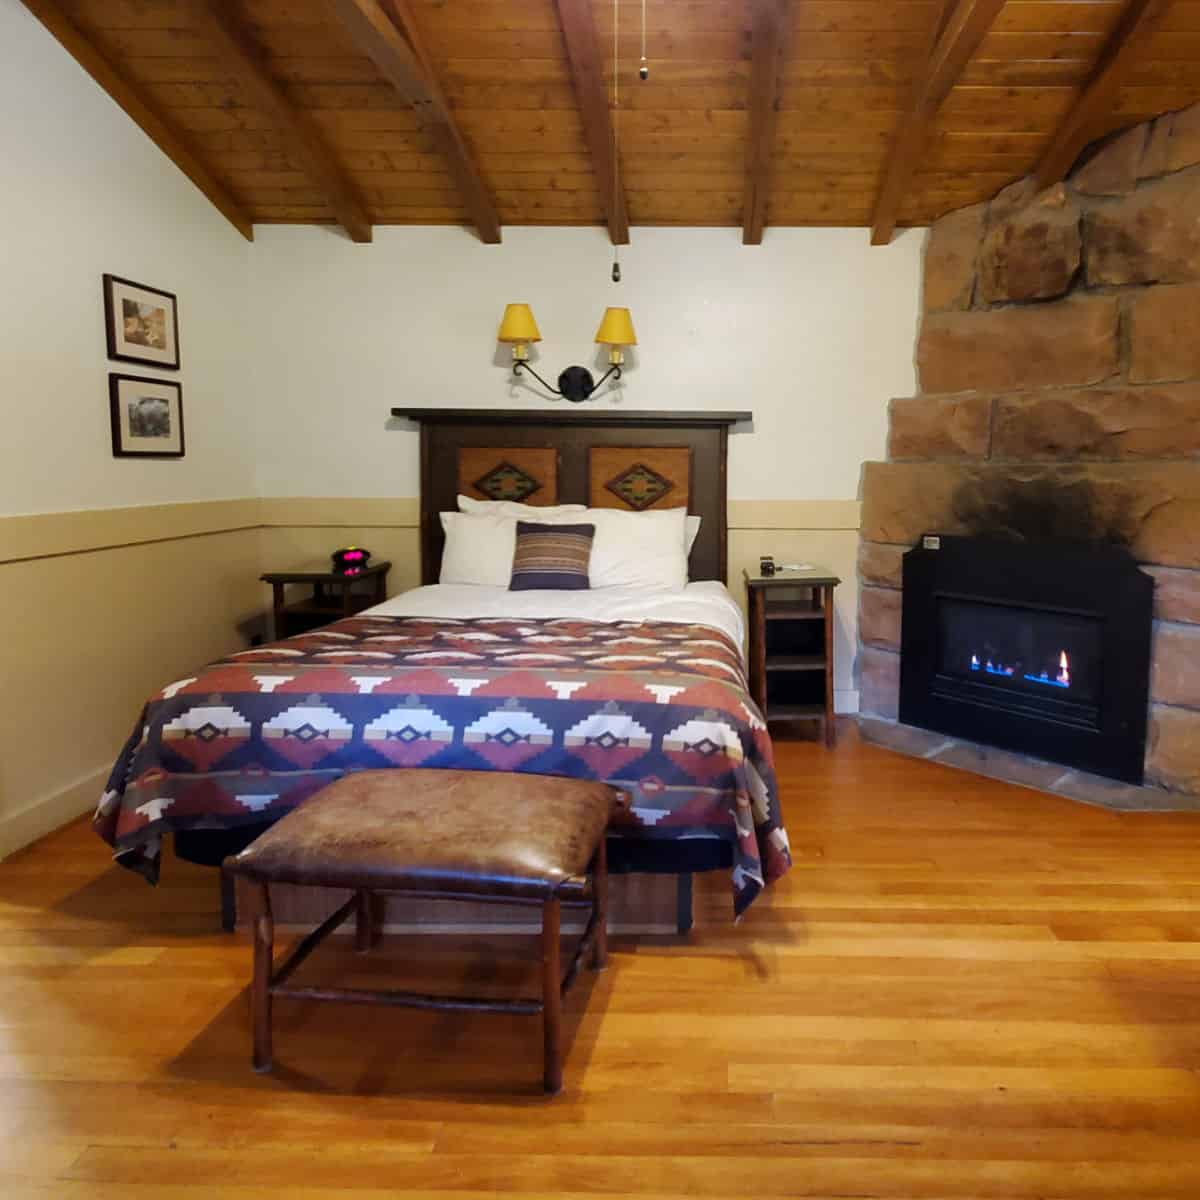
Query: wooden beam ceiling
column 390, row 38
column 767, row 34
column 1084, row 121
column 129, row 97
column 957, row 35
column 238, row 54
column 579, row 37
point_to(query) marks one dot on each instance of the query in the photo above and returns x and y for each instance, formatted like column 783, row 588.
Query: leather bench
column 466, row 835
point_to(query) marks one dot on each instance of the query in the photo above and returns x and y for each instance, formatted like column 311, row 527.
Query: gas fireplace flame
column 1064, row 670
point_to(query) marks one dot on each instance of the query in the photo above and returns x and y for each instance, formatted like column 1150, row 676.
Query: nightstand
column 331, row 596
column 791, row 645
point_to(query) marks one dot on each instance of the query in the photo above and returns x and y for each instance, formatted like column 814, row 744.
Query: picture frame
column 146, row 416
column 141, row 323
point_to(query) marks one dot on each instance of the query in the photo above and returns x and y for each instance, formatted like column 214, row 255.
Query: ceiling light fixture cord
column 616, row 122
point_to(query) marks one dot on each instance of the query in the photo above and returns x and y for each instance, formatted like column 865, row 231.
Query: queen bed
column 641, row 685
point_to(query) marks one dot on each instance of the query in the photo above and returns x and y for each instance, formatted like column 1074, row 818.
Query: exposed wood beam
column 1084, row 121
column 388, row 35
column 954, row 38
column 244, row 61
column 769, row 22
column 579, row 34
column 128, row 97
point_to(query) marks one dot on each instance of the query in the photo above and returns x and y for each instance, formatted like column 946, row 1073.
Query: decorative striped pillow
column 554, row 557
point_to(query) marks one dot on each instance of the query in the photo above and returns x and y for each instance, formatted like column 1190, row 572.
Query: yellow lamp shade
column 616, row 328
column 518, row 325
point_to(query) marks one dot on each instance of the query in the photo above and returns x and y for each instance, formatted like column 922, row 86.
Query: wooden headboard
column 601, row 458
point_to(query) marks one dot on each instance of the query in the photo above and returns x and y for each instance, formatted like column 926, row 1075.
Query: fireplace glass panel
column 1028, row 650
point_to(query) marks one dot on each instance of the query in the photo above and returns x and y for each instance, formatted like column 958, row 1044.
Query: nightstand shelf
column 332, row 596
column 791, row 646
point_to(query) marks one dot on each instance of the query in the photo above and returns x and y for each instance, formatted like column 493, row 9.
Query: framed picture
column 147, row 417
column 142, row 323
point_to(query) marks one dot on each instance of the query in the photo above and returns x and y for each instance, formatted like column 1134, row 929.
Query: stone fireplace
column 1059, row 367
column 1041, row 647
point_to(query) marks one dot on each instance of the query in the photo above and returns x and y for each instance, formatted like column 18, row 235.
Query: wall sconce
column 518, row 328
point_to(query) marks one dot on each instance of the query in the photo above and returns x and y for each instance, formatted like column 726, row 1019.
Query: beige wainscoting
column 102, row 607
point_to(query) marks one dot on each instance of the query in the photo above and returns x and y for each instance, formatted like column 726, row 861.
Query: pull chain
column 616, row 123
column 644, row 69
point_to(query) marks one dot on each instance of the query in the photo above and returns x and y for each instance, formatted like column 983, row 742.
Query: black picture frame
column 121, row 447
column 118, row 345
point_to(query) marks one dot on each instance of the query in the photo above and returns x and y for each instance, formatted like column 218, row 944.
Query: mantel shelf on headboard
column 594, row 416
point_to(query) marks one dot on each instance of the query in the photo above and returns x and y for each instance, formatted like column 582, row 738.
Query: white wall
column 82, row 192
column 814, row 331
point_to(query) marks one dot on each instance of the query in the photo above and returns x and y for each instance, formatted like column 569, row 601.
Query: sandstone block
column 1000, row 764
column 1033, row 255
column 1173, row 755
column 1152, row 508
column 1152, row 236
column 879, row 617
column 1069, row 343
column 950, row 259
column 939, row 427
column 904, row 739
column 1165, row 334
column 1122, row 423
column 1175, row 665
column 879, row 682
column 1154, row 157
column 901, row 501
column 880, row 565
column 1183, row 147
column 1176, row 594
column 1011, row 199
column 1113, row 168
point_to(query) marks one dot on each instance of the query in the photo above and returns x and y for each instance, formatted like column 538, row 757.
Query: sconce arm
column 614, row 371
column 519, row 366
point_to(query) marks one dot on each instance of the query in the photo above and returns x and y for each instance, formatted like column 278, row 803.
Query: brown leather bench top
column 429, row 830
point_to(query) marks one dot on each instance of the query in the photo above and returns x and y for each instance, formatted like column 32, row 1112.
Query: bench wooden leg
column 364, row 922
column 600, row 900
column 264, row 956
column 228, row 901
column 551, row 997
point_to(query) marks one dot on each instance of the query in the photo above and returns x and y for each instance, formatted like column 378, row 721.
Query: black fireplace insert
column 1042, row 648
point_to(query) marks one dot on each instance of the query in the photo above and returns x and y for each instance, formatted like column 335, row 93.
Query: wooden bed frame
column 603, row 458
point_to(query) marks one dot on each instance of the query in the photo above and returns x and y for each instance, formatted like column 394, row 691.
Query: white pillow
column 643, row 549
column 523, row 512
column 479, row 548
column 627, row 550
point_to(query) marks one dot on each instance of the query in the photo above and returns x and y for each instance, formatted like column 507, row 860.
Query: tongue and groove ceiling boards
column 485, row 113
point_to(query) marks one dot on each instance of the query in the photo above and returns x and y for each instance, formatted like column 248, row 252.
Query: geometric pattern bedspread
column 658, row 709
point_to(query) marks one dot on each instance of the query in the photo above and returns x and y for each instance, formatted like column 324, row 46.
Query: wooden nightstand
column 791, row 645
column 331, row 596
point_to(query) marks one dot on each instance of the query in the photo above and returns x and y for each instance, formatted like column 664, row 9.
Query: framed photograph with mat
column 147, row 417
column 141, row 323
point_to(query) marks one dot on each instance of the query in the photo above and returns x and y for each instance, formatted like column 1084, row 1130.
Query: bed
column 642, row 687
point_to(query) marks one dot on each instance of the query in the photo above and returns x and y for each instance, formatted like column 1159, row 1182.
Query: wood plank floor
column 963, row 989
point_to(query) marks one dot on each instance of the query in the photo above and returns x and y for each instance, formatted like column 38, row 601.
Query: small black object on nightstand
column 791, row 644
column 332, row 596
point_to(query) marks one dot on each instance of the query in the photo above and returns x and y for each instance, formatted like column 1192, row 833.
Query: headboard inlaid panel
column 639, row 477
column 570, row 455
column 527, row 474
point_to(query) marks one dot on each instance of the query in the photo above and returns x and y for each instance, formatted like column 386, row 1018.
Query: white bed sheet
column 706, row 603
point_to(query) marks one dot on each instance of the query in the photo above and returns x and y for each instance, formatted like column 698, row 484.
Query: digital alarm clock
column 350, row 560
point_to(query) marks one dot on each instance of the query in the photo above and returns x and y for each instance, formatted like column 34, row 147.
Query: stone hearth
column 1059, row 364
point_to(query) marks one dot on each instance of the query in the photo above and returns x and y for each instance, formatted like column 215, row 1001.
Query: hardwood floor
column 963, row 989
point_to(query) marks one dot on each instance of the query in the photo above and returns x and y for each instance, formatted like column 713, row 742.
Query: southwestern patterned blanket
column 658, row 709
